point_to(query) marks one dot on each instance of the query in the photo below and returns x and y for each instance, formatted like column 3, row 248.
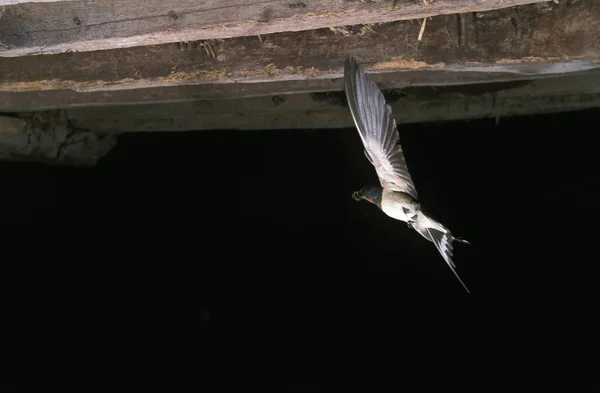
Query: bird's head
column 371, row 194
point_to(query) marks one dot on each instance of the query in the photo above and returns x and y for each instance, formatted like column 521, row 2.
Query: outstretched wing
column 377, row 129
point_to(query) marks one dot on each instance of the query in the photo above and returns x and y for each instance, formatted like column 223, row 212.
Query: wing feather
column 377, row 129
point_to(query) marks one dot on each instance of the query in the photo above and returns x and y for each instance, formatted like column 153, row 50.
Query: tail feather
column 441, row 237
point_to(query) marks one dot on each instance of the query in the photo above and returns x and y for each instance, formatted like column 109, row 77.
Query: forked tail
column 441, row 237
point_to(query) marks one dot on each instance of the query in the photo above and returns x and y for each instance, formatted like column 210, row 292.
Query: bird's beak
column 358, row 196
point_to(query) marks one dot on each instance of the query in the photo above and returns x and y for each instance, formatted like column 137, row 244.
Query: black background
column 246, row 249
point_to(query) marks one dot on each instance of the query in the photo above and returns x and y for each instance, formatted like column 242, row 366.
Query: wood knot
column 299, row 4
column 278, row 100
column 266, row 15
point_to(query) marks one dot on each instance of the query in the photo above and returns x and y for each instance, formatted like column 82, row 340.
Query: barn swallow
column 396, row 196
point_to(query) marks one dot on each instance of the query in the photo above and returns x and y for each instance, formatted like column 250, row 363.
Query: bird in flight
column 396, row 195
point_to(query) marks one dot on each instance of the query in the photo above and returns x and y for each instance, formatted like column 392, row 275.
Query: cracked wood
column 30, row 28
column 525, row 42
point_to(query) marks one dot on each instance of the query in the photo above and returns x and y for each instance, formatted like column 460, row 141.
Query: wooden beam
column 82, row 25
column 329, row 110
column 57, row 99
column 535, row 40
column 48, row 137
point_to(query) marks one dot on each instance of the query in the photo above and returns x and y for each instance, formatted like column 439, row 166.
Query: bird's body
column 399, row 205
column 397, row 196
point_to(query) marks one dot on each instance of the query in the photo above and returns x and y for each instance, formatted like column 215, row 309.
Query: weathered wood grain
column 529, row 41
column 57, row 99
column 91, row 25
column 329, row 110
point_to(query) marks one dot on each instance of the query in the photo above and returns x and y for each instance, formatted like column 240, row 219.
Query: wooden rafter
column 456, row 49
column 80, row 25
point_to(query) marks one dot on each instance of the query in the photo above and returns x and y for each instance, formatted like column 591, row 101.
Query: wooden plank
column 480, row 47
column 57, row 99
column 87, row 25
column 47, row 137
column 329, row 110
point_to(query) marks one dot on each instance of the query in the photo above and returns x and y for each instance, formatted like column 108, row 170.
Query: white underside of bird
column 397, row 206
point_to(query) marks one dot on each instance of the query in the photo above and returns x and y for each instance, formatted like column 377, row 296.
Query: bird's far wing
column 377, row 129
